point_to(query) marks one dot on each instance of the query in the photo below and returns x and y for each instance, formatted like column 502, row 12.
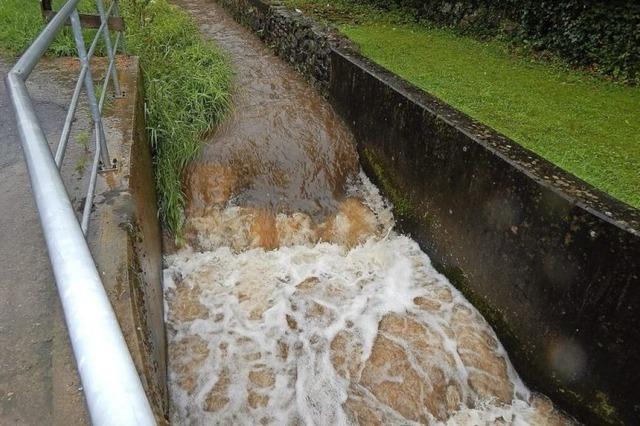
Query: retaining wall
column 125, row 237
column 551, row 262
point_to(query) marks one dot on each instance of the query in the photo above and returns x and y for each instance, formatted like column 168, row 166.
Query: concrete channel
column 504, row 226
column 356, row 252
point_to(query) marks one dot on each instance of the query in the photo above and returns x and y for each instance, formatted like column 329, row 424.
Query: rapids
column 276, row 320
column 294, row 300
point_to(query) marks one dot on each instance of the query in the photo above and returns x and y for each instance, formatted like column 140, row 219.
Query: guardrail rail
column 112, row 387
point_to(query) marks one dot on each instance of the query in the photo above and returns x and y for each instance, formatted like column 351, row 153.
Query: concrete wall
column 125, row 236
column 551, row 262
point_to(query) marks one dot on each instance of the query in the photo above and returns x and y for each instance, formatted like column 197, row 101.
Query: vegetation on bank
column 584, row 124
column 21, row 21
column 187, row 89
column 187, row 81
column 599, row 35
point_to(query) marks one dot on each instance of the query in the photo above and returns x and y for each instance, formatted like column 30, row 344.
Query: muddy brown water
column 294, row 301
column 283, row 148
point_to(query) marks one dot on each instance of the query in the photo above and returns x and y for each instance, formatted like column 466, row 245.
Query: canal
column 294, row 300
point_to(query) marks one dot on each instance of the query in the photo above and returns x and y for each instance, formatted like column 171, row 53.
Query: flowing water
column 294, row 300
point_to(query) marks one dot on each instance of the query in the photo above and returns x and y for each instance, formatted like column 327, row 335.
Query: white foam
column 235, row 312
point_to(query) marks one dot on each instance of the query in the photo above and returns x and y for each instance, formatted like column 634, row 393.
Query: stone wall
column 294, row 37
column 551, row 262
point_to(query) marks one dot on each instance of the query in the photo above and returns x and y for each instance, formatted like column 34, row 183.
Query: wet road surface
column 38, row 379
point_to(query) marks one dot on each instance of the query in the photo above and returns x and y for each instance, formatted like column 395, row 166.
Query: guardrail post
column 107, row 42
column 88, row 83
column 116, row 12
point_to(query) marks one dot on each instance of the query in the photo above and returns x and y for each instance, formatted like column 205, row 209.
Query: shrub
column 601, row 35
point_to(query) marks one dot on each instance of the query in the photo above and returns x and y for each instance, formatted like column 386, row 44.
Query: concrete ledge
column 551, row 262
column 125, row 236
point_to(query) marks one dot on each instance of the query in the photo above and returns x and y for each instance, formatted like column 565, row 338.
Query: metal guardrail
column 112, row 387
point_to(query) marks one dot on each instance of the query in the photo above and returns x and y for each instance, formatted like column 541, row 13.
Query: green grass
column 584, row 124
column 187, row 82
column 21, row 21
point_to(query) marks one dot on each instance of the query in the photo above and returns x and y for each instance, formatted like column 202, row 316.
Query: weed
column 82, row 139
column 81, row 164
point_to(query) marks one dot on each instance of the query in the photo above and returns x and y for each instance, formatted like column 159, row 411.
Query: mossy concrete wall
column 552, row 263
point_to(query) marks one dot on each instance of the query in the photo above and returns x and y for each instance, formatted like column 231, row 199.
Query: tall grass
column 187, row 85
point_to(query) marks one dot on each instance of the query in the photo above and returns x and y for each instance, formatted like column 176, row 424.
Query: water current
column 295, row 300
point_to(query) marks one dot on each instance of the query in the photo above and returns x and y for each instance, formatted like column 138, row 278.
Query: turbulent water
column 294, row 300
column 274, row 319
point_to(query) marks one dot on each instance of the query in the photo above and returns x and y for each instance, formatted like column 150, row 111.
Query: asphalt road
column 38, row 380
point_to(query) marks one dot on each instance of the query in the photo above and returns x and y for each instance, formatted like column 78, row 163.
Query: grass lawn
column 187, row 81
column 21, row 21
column 584, row 124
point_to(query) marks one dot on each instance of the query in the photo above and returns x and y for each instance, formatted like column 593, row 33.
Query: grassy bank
column 187, row 85
column 187, row 81
column 582, row 123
